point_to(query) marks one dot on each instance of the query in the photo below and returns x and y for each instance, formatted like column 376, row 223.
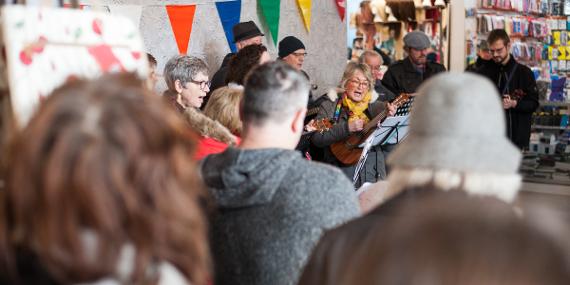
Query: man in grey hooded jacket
column 272, row 204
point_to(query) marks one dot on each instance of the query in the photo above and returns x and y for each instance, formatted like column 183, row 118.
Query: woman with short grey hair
column 187, row 81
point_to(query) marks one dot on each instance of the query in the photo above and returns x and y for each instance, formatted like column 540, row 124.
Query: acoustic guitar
column 348, row 151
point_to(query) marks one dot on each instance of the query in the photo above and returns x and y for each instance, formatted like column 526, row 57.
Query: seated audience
column 448, row 147
column 100, row 191
column 244, row 61
column 187, row 80
column 445, row 239
column 350, row 111
column 273, row 205
column 223, row 107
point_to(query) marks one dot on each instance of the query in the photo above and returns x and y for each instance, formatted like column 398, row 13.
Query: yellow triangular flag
column 305, row 9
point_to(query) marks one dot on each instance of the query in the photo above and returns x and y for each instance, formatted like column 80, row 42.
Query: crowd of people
column 229, row 182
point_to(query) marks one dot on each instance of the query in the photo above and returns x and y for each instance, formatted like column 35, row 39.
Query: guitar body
column 347, row 151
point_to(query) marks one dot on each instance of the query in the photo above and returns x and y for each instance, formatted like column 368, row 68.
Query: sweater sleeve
column 338, row 132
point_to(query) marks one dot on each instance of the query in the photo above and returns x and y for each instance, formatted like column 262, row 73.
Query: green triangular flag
column 270, row 10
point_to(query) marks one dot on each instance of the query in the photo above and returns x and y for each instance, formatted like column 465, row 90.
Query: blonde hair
column 351, row 69
column 502, row 186
column 223, row 106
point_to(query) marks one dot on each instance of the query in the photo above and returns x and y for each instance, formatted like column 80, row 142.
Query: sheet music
column 400, row 123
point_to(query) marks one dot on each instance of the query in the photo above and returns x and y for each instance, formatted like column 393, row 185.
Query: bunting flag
column 132, row 12
column 305, row 8
column 229, row 13
column 340, row 6
column 270, row 10
column 181, row 19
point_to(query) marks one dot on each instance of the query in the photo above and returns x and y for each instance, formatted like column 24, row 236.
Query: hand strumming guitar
column 355, row 125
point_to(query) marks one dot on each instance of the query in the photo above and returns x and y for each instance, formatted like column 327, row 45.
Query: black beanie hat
column 289, row 45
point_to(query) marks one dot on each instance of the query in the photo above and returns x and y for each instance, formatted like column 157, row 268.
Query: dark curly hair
column 244, row 61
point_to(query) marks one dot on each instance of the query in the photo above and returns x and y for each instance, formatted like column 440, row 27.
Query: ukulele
column 347, row 151
column 321, row 125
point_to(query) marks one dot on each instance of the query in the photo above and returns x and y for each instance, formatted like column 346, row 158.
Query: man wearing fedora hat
column 456, row 143
column 405, row 76
column 245, row 33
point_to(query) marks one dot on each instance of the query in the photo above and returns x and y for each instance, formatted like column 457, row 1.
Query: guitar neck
column 374, row 122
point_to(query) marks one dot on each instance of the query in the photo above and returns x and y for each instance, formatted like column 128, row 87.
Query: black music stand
column 392, row 131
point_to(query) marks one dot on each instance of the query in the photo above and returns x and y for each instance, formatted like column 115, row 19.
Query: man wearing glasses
column 405, row 76
column 516, row 84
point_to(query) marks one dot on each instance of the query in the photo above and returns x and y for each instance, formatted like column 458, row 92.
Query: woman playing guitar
column 350, row 110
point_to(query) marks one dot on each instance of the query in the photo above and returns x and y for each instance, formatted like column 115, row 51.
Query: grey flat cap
column 457, row 123
column 417, row 40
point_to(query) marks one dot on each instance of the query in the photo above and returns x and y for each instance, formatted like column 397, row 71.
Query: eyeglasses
column 359, row 83
column 202, row 84
column 300, row 54
column 494, row 51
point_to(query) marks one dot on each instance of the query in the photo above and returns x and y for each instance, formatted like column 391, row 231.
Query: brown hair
column 444, row 238
column 244, row 61
column 498, row 34
column 223, row 107
column 109, row 160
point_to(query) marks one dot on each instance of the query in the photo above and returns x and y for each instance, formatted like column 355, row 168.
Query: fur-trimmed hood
column 333, row 94
column 207, row 127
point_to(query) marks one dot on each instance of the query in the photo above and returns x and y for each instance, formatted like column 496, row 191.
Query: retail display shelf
column 550, row 127
column 554, row 103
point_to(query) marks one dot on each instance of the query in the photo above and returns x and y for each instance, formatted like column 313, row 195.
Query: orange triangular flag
column 181, row 19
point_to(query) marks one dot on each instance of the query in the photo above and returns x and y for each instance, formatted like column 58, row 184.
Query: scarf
column 356, row 109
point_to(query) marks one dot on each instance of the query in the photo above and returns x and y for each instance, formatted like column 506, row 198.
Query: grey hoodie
column 273, row 206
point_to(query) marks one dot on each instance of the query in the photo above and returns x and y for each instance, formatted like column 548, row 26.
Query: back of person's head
column 223, row 107
column 457, row 139
column 273, row 92
column 242, row 62
column 450, row 239
column 103, row 169
column 183, row 68
column 498, row 34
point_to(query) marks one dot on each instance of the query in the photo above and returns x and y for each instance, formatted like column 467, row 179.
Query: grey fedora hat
column 457, row 123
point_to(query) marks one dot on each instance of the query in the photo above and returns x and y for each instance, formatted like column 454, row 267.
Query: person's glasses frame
column 300, row 54
column 203, row 84
column 496, row 51
column 359, row 83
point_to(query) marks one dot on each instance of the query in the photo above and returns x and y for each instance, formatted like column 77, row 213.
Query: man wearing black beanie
column 292, row 51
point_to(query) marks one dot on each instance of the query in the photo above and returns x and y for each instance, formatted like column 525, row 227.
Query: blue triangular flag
column 229, row 12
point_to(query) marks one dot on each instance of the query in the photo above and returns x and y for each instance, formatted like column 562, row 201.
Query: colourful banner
column 305, row 9
column 181, row 19
column 229, row 13
column 340, row 6
column 270, row 10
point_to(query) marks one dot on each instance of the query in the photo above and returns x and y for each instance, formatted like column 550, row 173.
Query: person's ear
column 297, row 124
column 178, row 86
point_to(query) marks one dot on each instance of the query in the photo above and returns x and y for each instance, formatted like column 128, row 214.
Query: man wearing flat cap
column 245, row 34
column 405, row 76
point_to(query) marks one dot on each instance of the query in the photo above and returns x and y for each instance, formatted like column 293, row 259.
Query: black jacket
column 219, row 78
column 402, row 76
column 518, row 118
column 478, row 64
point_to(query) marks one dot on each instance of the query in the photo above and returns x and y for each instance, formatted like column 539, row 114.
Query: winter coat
column 375, row 166
column 214, row 137
column 478, row 64
column 402, row 76
column 518, row 118
column 272, row 207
